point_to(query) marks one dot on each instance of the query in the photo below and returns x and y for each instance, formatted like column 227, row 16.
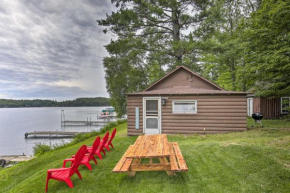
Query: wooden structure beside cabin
column 271, row 108
column 184, row 102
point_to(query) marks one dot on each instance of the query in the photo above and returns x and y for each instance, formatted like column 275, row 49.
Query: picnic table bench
column 152, row 147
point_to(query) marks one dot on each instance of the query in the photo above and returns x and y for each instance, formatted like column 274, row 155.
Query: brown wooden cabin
column 183, row 102
column 270, row 108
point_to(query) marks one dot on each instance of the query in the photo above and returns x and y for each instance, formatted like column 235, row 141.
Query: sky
column 52, row 49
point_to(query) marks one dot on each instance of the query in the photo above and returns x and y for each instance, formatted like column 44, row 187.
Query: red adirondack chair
column 88, row 157
column 64, row 174
column 109, row 142
column 101, row 146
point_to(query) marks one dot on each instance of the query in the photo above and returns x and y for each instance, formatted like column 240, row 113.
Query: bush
column 41, row 148
column 287, row 117
column 83, row 136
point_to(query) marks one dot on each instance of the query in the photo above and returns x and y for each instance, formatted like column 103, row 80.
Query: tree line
column 241, row 45
column 79, row 102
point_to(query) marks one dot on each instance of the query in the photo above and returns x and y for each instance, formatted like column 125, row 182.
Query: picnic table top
column 150, row 146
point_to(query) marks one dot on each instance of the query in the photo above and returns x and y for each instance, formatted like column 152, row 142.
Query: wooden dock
column 84, row 123
column 50, row 134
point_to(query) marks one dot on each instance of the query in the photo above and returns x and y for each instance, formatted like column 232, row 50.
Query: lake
column 15, row 122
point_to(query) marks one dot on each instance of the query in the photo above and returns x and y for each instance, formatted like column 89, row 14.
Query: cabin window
column 285, row 104
column 184, row 107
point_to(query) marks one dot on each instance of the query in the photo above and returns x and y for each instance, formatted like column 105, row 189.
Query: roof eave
column 143, row 94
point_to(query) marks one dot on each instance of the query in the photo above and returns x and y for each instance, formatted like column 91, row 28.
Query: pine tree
column 149, row 41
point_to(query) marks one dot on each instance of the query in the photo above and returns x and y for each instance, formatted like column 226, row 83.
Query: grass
column 257, row 160
column 268, row 123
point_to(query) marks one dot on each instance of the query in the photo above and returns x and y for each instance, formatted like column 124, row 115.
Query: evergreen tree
column 149, row 41
column 235, row 43
column 221, row 42
column 268, row 47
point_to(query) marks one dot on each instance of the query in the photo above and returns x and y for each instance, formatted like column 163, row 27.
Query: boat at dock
column 108, row 113
column 87, row 122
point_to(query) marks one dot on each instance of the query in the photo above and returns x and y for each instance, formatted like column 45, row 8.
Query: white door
column 152, row 115
column 250, row 107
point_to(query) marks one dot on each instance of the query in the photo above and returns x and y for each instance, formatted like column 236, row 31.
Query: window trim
column 184, row 101
column 284, row 113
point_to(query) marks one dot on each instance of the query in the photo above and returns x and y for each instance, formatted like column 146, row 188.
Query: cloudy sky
column 52, row 49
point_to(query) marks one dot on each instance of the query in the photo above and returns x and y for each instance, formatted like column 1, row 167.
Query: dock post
column 62, row 117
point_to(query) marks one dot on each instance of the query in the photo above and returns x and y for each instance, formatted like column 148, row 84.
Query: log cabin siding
column 215, row 114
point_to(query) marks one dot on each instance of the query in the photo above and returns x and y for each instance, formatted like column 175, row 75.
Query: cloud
column 52, row 48
column 54, row 92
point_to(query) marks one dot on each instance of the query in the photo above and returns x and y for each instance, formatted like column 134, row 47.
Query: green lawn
column 268, row 123
column 253, row 161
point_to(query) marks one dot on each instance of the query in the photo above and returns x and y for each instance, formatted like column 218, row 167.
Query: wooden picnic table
column 152, row 147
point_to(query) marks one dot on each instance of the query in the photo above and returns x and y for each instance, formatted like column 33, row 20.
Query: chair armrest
column 57, row 170
column 73, row 156
column 67, row 160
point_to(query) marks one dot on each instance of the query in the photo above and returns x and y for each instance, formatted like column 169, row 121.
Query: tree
column 221, row 43
column 157, row 23
column 268, row 47
column 149, row 41
column 121, row 78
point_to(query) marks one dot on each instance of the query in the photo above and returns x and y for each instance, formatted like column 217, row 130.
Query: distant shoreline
column 52, row 107
column 79, row 102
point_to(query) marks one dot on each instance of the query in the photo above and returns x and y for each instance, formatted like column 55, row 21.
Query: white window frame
column 184, row 101
column 282, row 104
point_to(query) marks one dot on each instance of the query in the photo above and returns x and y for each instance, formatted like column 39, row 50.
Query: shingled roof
column 184, row 90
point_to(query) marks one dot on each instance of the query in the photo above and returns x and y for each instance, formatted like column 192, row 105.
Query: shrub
column 287, row 117
column 41, row 148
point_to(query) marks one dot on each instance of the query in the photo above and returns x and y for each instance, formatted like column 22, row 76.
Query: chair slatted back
column 78, row 158
column 112, row 136
column 105, row 139
column 95, row 147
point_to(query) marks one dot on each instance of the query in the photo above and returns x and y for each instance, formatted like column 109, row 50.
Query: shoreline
column 16, row 158
column 50, row 107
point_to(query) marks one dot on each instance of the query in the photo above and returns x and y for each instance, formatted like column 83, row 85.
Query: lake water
column 15, row 122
